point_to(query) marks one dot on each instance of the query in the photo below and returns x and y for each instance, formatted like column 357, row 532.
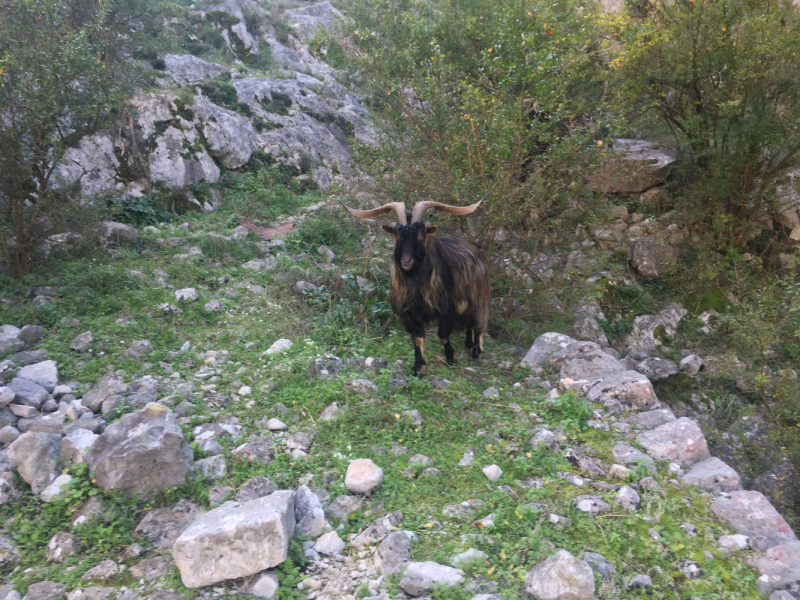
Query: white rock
column 6, row 396
column 493, row 472
column 561, row 577
column 186, row 294
column 470, row 556
column 263, row 585
column 54, row 491
column 363, row 476
column 276, row 425
column 691, row 364
column 329, row 543
column 75, row 444
column 279, row 346
column 422, row 577
column 44, row 373
column 236, row 540
column 733, row 542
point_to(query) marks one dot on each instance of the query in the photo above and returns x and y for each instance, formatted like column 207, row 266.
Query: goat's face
column 410, row 244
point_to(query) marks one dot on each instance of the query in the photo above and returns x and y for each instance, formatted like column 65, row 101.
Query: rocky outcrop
column 639, row 165
column 231, row 138
column 186, row 68
column 307, row 20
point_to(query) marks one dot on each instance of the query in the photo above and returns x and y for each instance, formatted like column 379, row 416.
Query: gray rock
column 236, row 540
column 640, row 582
column 143, row 453
column 30, row 334
column 691, row 569
column 45, row 590
column 423, row 577
column 137, row 350
column 7, row 396
column 256, row 487
column 680, row 441
column 560, row 577
column 652, row 418
column 587, row 324
column 81, row 343
column 329, row 544
column 599, row 564
column 8, row 333
column 713, row 475
column 639, row 165
column 363, row 476
column 627, row 498
column 471, row 556
column 52, row 423
column 651, row 257
column 174, row 167
column 779, row 568
column 625, row 453
column 651, row 332
column 29, row 357
column 8, row 434
column 36, row 457
column 308, row 513
column 751, row 514
column 213, row 467
column 151, row 569
column 57, row 489
column 344, row 506
column 100, row 593
column 22, row 411
column 186, row 69
column 379, row 529
column 259, row 449
column 186, row 295
column 393, row 553
column 107, row 569
column 591, row 504
column 28, row 393
column 263, row 585
column 657, row 369
column 545, row 346
column 362, row 386
column 60, row 546
column 632, row 389
column 162, row 526
column 308, row 19
column 218, row 495
column 117, row 234
column 691, row 364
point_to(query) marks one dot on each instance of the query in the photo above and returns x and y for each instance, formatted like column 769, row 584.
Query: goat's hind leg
column 418, row 337
column 474, row 341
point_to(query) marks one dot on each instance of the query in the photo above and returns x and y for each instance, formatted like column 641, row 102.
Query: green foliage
column 141, row 211
column 289, row 576
column 50, row 60
column 282, row 30
column 721, row 78
column 220, row 91
column 570, row 412
column 325, row 46
column 279, row 103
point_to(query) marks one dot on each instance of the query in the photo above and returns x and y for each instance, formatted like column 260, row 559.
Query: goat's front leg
column 418, row 337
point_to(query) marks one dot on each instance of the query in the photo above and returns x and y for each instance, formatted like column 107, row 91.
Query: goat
column 444, row 279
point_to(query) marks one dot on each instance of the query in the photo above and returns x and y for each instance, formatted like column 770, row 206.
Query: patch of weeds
column 140, row 211
column 278, row 103
column 570, row 412
column 282, row 30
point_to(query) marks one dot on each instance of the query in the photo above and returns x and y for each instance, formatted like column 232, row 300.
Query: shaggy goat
column 444, row 279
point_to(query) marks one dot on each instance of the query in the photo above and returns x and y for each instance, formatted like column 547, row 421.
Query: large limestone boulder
column 143, row 453
column 713, row 475
column 779, row 568
column 751, row 514
column 638, row 165
column 680, row 441
column 545, row 346
column 651, row 257
column 561, row 577
column 186, row 68
column 231, row 138
column 35, row 455
column 651, row 332
column 236, row 540
column 93, row 163
column 237, row 36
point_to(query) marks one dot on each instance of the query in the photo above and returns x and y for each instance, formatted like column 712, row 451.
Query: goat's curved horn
column 421, row 207
column 398, row 207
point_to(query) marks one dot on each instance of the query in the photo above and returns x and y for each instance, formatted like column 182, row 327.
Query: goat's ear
column 430, row 228
column 388, row 229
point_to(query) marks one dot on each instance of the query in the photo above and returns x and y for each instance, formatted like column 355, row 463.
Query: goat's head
column 411, row 240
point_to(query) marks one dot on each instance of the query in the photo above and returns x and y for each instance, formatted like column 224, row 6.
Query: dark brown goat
column 444, row 279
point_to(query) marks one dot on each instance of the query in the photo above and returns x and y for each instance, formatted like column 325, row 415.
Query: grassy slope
column 99, row 290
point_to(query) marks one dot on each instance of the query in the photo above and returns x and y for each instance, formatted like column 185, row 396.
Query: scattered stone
column 45, row 590
column 562, row 576
column 625, row 453
column 81, row 343
column 107, row 569
column 363, row 476
column 467, row 458
column 379, row 529
column 591, row 504
column 640, row 582
column 691, row 569
column 8, row 434
column 491, row 392
column 331, row 412
column 599, row 564
column 493, row 472
column 343, row 507
column 627, row 498
column 279, row 346
column 36, row 455
column 162, row 526
column 713, row 475
column 619, row 472
column 259, row 449
column 256, row 487
column 652, row 418
column 263, row 585
column 393, row 553
column 151, row 569
column 213, row 467
column 57, row 489
column 689, row 529
column 657, row 369
column 691, row 364
column 736, row 541
column 143, row 453
column 186, row 295
column 329, row 544
column 308, row 513
column 218, row 495
column 471, row 556
column 137, row 350
column 423, row 577
column 303, row 286
column 362, row 386
column 439, row 383
column 213, row 306
column 28, row 393
column 276, row 425
column 60, row 546
column 652, row 257
column 75, row 444
column 236, row 540
column 680, row 441
column 413, row 417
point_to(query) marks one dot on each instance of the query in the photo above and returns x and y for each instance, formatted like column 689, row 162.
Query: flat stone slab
column 713, row 475
column 751, row 514
column 680, row 441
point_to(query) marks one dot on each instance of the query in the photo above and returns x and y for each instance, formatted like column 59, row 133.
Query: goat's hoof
column 418, row 371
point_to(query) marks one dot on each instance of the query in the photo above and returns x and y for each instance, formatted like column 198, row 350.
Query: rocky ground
column 274, row 449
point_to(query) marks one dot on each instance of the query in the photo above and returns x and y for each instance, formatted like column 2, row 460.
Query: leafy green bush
column 721, row 78
column 141, row 211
